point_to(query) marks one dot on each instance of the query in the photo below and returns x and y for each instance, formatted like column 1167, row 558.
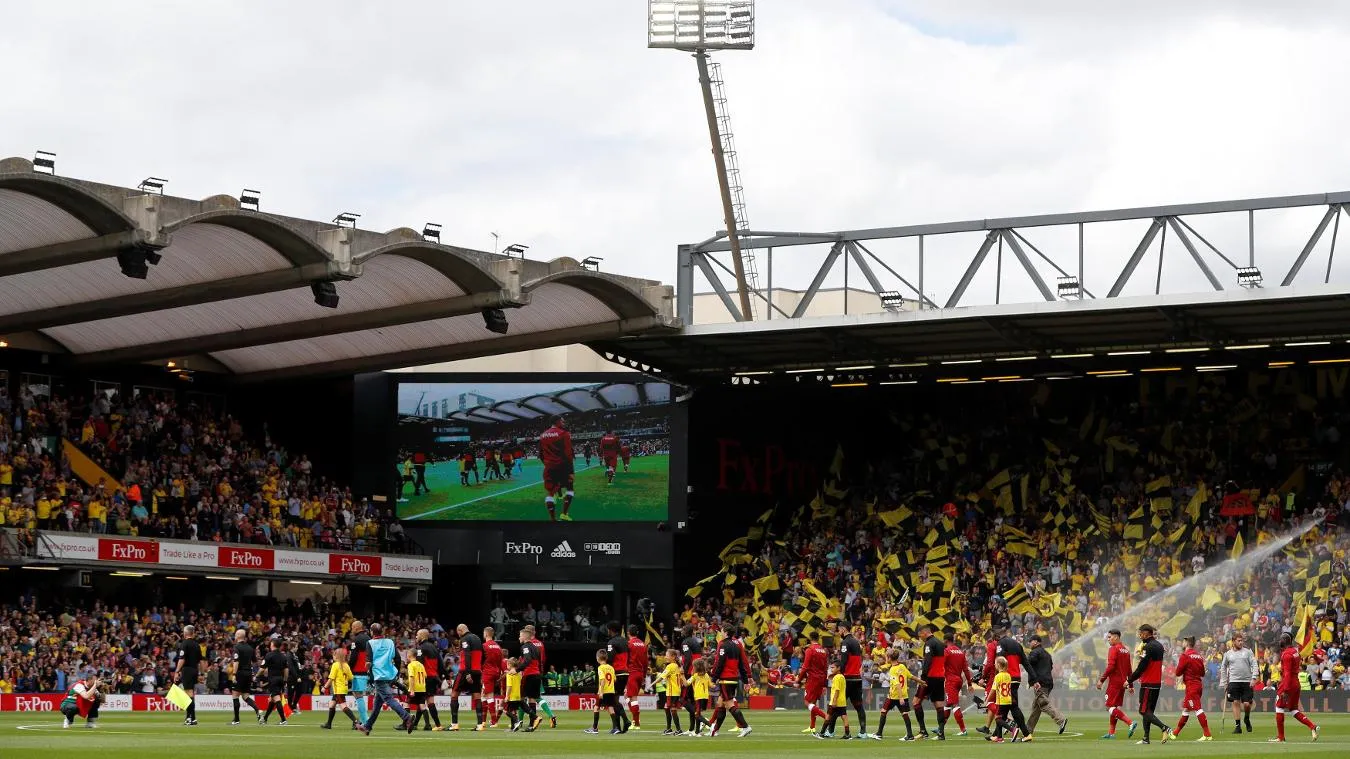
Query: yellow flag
column 1237, row 548
column 178, row 697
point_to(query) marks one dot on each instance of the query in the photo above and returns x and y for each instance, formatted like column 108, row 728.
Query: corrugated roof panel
column 552, row 306
column 199, row 253
column 30, row 222
column 620, row 395
column 581, row 399
column 387, row 281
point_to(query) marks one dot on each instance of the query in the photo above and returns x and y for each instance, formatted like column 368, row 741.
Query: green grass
column 641, row 494
column 135, row 736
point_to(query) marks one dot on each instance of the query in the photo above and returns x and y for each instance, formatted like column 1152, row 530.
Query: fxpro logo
column 33, row 704
column 523, row 549
column 359, row 566
column 128, row 551
column 564, row 551
column 611, row 549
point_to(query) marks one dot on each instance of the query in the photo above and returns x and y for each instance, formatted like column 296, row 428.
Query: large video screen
column 497, row 451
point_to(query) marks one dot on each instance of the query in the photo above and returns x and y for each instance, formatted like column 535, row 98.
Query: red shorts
column 611, row 462
column 1192, row 702
column 634, row 686
column 814, row 690
column 490, row 682
column 1115, row 695
column 557, row 479
column 953, row 691
column 1287, row 700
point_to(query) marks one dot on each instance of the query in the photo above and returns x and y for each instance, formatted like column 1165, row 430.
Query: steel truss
column 1010, row 235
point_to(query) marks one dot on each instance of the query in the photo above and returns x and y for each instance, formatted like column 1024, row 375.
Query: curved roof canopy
column 230, row 289
column 611, row 395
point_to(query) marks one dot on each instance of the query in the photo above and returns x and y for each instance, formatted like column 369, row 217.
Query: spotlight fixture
column 515, row 249
column 325, row 294
column 249, row 199
column 135, row 262
column 495, row 320
column 1249, row 276
column 892, row 300
column 591, row 262
column 346, row 219
column 152, row 185
column 44, row 160
column 1070, row 287
column 431, row 232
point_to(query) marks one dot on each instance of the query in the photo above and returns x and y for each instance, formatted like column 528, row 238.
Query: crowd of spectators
column 179, row 469
column 1089, row 457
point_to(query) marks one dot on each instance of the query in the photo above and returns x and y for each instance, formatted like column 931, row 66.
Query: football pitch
column 134, row 736
column 642, row 494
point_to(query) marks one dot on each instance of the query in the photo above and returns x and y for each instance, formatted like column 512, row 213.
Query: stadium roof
column 612, row 395
column 229, row 288
column 1218, row 319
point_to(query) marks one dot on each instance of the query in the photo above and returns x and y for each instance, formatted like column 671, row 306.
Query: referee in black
column 296, row 670
column 186, row 670
column 276, row 664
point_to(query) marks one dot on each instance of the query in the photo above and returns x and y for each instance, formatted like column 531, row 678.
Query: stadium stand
column 1049, row 515
column 170, row 469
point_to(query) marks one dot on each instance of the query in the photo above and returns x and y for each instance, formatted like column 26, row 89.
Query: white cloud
column 553, row 125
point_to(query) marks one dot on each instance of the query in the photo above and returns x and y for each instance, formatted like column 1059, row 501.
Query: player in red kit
column 637, row 671
column 958, row 678
column 730, row 669
column 626, row 454
column 932, row 681
column 555, row 453
column 1191, row 671
column 1116, row 675
column 850, row 666
column 609, row 454
column 815, row 663
column 493, row 671
column 1287, row 696
column 470, row 677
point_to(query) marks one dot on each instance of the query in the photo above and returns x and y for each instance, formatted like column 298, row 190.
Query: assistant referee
column 186, row 670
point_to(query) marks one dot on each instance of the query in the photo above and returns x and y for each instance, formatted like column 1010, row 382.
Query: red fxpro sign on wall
column 119, row 549
column 351, row 564
column 246, row 558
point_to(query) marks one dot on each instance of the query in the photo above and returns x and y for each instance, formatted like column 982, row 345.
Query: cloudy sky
column 553, row 125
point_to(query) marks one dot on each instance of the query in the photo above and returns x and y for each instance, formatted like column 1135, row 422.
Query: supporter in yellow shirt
column 339, row 680
column 606, row 699
column 1003, row 697
column 417, row 686
column 838, row 704
column 514, row 702
column 672, row 678
column 897, row 693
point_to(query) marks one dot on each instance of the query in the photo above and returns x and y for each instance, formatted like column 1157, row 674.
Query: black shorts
column 935, row 689
column 660, row 701
column 275, row 686
column 417, row 698
column 899, row 704
column 1148, row 698
column 608, row 700
column 702, row 704
column 853, row 689
column 530, row 686
column 838, row 711
column 468, row 681
column 1240, row 693
column 728, row 690
column 620, row 683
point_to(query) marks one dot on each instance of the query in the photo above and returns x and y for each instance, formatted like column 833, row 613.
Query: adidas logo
column 564, row 551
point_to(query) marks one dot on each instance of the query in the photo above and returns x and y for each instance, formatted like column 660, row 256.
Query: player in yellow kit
column 417, row 686
column 672, row 680
column 338, row 683
column 896, row 694
column 514, row 701
column 838, row 704
column 701, row 684
column 1003, row 699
